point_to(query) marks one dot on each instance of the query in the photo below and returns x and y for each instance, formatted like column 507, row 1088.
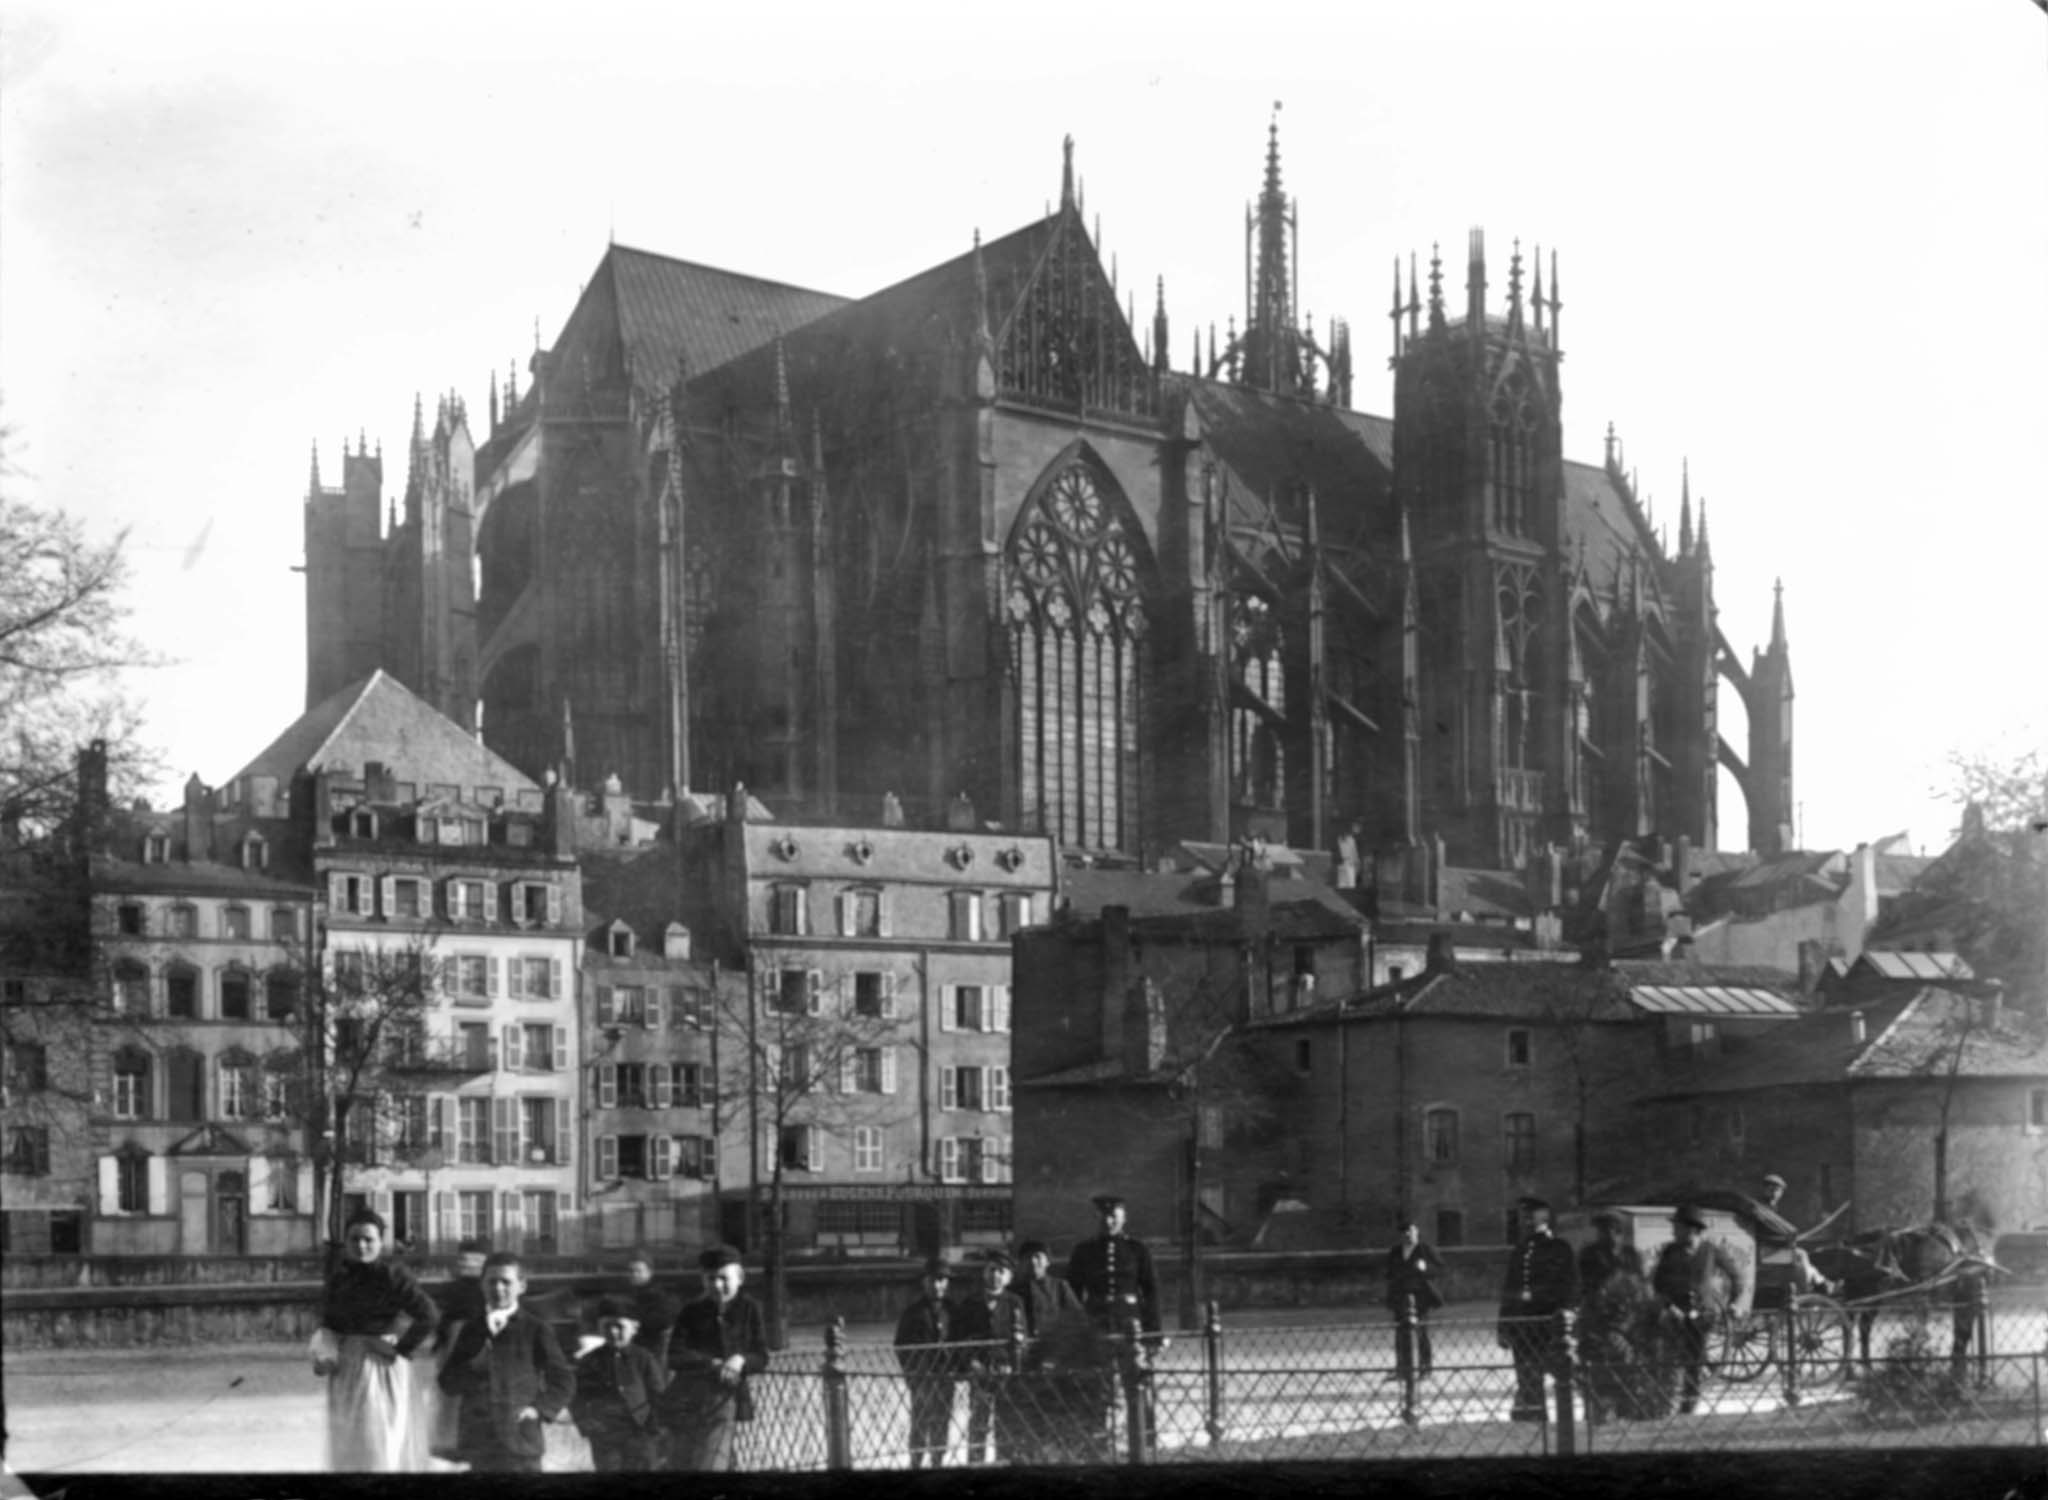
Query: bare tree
column 1582, row 1016
column 357, row 1079
column 803, row 1062
column 63, row 647
column 1932, row 1047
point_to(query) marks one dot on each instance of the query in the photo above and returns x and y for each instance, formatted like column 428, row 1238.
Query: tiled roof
column 1897, row 873
column 1924, row 1037
column 1652, row 971
column 379, row 719
column 641, row 887
column 1483, row 893
column 1524, row 992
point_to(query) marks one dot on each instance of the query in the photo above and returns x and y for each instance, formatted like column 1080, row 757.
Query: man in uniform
column 1542, row 1283
column 1697, row 1281
column 1112, row 1275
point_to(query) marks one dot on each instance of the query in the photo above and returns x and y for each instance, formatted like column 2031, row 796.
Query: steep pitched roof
column 655, row 310
column 1272, row 443
column 379, row 719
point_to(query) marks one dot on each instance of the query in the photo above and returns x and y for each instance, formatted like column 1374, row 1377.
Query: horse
column 1949, row 1262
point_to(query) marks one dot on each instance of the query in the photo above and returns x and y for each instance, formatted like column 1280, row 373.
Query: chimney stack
column 198, row 820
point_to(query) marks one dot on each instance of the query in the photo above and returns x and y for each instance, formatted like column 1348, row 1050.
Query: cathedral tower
column 1477, row 459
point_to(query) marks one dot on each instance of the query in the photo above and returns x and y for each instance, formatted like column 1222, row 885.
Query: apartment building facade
column 866, row 1054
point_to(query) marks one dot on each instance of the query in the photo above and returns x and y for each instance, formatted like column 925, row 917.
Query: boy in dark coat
column 720, row 1339
column 924, row 1335
column 616, row 1384
column 511, row 1376
column 990, row 1324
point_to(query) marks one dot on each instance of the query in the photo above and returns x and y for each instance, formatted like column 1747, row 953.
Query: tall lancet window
column 1258, row 704
column 1077, row 626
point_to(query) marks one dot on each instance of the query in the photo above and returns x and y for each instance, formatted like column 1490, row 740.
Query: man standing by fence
column 1412, row 1296
column 1112, row 1275
column 1697, row 1281
column 990, row 1324
column 1542, row 1284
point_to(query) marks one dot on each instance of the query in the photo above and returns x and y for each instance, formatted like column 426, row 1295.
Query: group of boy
column 656, row 1387
column 992, row 1333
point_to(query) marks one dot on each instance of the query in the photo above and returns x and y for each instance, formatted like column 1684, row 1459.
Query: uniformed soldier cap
column 1104, row 1202
column 1533, row 1205
column 1772, row 1179
column 1000, row 1258
column 473, row 1247
column 718, row 1256
column 938, row 1265
column 1690, row 1215
column 612, row 1308
column 1608, row 1216
column 1034, row 1247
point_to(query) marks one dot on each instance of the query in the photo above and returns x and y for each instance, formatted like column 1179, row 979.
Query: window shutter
column 159, row 1185
column 491, row 984
column 515, row 979
column 608, row 1087
column 515, row 1053
column 337, row 893
column 949, row 1088
column 563, row 1144
column 659, row 1081
column 989, row 1163
column 844, row 987
column 814, row 1148
column 607, row 1157
column 554, row 905
column 888, row 996
column 504, row 1131
column 814, row 992
column 656, row 1012
column 660, row 1162
column 604, row 1005
column 843, row 905
column 999, row 1003
column 110, row 1185
column 948, row 1006
column 305, row 1194
column 999, row 1089
column 559, row 1059
column 451, row 975
column 888, row 1070
column 512, row 1213
column 848, row 1077
column 259, row 1185
column 387, row 896
column 949, row 1159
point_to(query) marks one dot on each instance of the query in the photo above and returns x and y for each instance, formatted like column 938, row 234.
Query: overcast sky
column 1803, row 244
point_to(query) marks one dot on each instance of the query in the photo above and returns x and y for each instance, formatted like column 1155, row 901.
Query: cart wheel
column 1820, row 1336
column 1741, row 1348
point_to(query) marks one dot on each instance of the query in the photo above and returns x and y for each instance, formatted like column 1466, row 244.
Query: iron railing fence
column 1242, row 1391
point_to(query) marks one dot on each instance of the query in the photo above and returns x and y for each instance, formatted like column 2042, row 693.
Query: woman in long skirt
column 374, row 1316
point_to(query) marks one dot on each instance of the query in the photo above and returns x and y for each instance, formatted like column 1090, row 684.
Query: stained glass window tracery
column 1077, row 626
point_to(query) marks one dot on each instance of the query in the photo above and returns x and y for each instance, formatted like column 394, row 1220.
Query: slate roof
column 1274, row 443
column 1186, row 902
column 639, row 886
column 1599, row 510
column 1524, row 992
column 1921, row 1039
column 656, row 309
column 378, row 718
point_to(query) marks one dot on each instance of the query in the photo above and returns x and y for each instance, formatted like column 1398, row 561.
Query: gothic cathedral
column 974, row 542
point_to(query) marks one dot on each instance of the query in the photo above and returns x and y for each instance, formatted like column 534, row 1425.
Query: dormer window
column 255, row 852
column 619, row 941
column 675, row 941
column 362, row 823
column 156, row 848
